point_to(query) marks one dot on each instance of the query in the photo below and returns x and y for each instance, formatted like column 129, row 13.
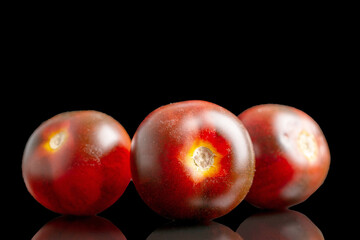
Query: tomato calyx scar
column 55, row 141
column 203, row 158
column 307, row 145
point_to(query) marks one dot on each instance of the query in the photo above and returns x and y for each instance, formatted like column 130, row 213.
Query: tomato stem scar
column 203, row 158
column 57, row 140
column 307, row 145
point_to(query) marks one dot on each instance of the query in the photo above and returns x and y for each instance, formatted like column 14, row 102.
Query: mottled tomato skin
column 164, row 172
column 285, row 225
column 291, row 154
column 87, row 172
column 75, row 228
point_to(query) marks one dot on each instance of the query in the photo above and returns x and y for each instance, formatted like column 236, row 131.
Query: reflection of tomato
column 84, row 228
column 287, row 225
column 208, row 231
column 292, row 155
column 77, row 162
column 192, row 160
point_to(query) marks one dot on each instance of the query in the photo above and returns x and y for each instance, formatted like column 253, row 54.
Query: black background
column 52, row 69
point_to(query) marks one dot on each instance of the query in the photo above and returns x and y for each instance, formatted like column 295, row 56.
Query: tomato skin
column 163, row 169
column 77, row 163
column 291, row 154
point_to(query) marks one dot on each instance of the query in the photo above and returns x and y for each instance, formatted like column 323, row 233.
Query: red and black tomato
column 192, row 160
column 291, row 152
column 77, row 163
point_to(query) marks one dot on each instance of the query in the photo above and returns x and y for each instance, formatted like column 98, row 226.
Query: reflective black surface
column 284, row 224
column 129, row 214
column 130, row 91
column 131, row 218
column 69, row 227
column 210, row 231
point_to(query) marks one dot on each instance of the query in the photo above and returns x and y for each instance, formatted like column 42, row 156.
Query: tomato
column 291, row 152
column 77, row 162
column 84, row 228
column 192, row 160
column 286, row 225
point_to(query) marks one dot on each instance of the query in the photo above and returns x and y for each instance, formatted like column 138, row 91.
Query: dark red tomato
column 76, row 228
column 291, row 152
column 77, row 162
column 207, row 231
column 285, row 225
column 192, row 160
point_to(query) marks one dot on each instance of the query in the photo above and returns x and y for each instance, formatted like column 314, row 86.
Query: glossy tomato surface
column 291, row 152
column 192, row 160
column 77, row 162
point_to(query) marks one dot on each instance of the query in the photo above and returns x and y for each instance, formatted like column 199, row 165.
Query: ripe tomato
column 77, row 162
column 192, row 160
column 291, row 152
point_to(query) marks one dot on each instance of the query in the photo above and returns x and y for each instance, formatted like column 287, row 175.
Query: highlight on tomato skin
column 291, row 154
column 192, row 160
column 77, row 163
